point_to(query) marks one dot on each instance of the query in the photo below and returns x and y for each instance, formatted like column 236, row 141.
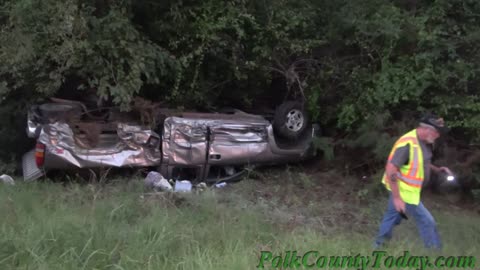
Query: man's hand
column 399, row 204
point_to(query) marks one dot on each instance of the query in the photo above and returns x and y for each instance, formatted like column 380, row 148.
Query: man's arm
column 400, row 157
column 392, row 172
column 434, row 168
column 437, row 170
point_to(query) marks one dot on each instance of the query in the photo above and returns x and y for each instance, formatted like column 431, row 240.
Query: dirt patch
column 328, row 201
column 323, row 201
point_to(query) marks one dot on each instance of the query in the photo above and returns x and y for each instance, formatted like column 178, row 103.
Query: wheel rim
column 295, row 120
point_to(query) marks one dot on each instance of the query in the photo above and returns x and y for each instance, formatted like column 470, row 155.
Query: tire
column 290, row 120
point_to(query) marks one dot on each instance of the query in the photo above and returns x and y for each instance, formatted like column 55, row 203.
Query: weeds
column 118, row 226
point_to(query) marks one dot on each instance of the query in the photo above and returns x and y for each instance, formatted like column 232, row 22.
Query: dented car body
column 211, row 147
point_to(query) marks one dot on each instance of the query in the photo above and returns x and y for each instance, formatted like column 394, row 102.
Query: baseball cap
column 435, row 121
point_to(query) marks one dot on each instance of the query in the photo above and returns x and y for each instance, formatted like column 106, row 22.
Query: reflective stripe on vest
column 401, row 140
column 414, row 168
column 409, row 181
column 410, row 175
column 410, row 178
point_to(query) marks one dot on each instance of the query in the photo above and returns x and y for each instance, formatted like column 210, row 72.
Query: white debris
column 163, row 185
column 183, row 186
column 156, row 181
column 221, row 185
column 7, row 179
column 202, row 186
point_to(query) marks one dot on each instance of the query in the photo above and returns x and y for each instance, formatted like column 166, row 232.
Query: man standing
column 407, row 169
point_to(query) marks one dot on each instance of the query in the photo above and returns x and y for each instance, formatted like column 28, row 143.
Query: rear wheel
column 291, row 120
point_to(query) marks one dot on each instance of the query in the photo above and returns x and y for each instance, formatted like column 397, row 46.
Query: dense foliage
column 362, row 66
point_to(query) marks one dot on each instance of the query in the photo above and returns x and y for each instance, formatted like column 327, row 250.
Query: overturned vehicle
column 210, row 147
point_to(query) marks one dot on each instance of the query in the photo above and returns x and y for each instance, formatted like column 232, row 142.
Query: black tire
column 291, row 120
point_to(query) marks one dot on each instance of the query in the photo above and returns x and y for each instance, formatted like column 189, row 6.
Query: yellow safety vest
column 411, row 175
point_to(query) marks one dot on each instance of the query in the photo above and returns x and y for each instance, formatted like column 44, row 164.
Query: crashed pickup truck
column 209, row 147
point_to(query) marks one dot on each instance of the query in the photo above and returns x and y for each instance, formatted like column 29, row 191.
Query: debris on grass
column 7, row 179
column 183, row 186
column 156, row 181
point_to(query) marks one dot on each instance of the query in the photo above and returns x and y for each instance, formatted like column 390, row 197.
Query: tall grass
column 118, row 226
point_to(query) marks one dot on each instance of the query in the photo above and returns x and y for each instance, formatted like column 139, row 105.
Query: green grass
column 119, row 226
